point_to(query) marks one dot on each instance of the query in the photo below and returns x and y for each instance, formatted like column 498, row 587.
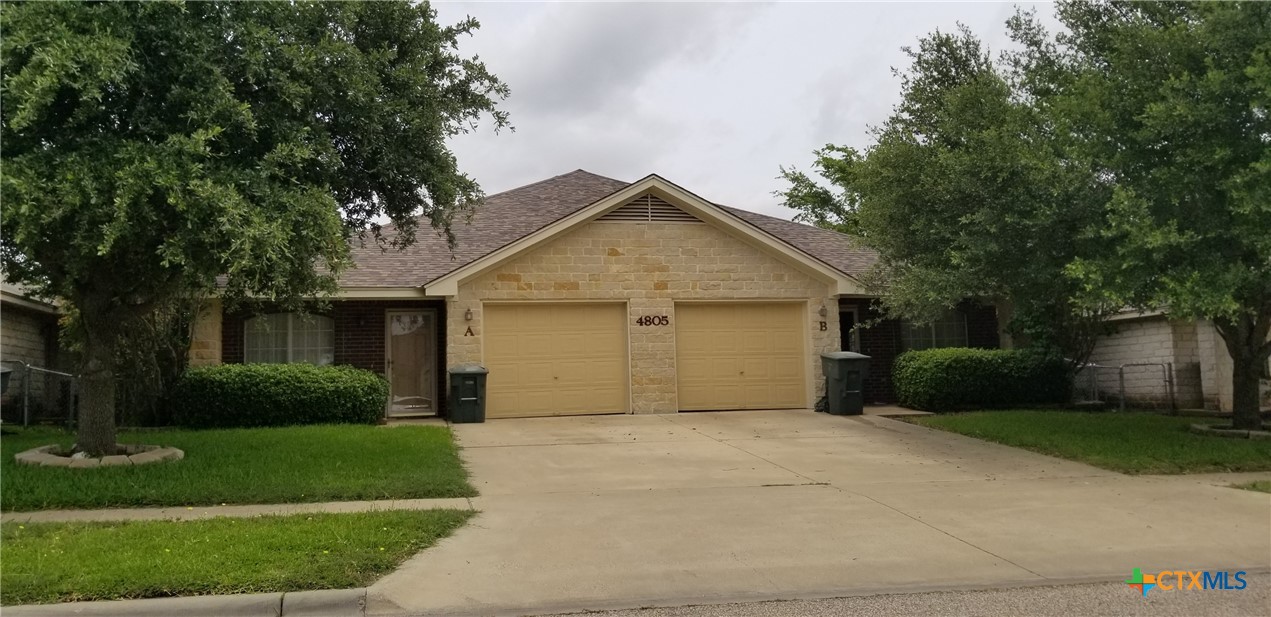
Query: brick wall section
column 882, row 342
column 982, row 329
column 650, row 266
column 359, row 335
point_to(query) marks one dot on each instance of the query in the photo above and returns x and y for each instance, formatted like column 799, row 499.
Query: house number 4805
column 653, row 320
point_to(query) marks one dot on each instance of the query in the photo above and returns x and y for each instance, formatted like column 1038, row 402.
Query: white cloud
column 715, row 97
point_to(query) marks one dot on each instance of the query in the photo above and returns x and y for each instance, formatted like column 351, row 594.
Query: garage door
column 555, row 359
column 739, row 356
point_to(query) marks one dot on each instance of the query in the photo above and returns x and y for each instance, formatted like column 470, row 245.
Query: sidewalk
column 194, row 513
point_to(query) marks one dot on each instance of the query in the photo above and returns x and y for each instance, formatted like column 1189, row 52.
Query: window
column 949, row 330
column 289, row 337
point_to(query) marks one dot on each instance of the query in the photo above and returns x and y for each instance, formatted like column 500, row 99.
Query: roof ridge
column 556, row 177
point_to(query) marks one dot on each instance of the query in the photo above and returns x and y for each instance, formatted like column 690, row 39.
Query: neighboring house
column 28, row 337
column 583, row 294
column 1193, row 354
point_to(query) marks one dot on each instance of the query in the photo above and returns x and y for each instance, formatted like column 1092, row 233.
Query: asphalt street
column 1094, row 600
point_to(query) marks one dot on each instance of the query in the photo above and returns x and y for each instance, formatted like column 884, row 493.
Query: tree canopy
column 150, row 148
column 1122, row 162
column 965, row 193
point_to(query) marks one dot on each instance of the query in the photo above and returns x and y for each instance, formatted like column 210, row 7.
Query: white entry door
column 410, row 360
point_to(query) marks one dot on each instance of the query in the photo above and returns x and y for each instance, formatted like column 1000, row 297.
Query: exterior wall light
column 467, row 315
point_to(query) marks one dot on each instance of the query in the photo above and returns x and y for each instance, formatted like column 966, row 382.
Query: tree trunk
column 1247, row 343
column 1245, row 373
column 96, row 434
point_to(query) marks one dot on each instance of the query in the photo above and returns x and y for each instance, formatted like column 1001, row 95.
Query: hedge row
column 958, row 378
column 248, row 395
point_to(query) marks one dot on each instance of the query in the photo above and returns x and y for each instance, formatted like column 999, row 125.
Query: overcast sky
column 714, row 97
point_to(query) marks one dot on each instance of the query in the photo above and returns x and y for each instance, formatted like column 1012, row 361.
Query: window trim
column 907, row 326
column 291, row 336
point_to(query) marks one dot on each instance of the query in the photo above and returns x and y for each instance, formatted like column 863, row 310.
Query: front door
column 409, row 345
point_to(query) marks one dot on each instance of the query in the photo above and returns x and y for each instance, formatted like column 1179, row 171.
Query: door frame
column 429, row 359
column 855, row 334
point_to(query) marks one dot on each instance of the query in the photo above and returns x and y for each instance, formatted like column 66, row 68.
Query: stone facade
column 649, row 266
column 205, row 337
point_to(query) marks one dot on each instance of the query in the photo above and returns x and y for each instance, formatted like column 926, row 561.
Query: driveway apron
column 625, row 511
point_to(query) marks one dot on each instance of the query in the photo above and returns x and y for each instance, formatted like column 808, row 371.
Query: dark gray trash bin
column 467, row 393
column 845, row 373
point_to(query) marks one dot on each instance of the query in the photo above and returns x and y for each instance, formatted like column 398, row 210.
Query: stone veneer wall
column 207, row 337
column 649, row 266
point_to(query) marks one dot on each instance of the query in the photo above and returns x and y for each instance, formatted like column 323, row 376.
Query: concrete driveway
column 627, row 511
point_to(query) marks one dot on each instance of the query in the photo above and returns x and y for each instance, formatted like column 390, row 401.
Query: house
column 1159, row 354
column 585, row 295
column 29, row 338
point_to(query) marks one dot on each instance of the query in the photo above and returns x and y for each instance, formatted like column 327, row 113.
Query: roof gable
column 664, row 191
column 499, row 220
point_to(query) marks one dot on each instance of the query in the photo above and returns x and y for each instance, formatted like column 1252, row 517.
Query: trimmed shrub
column 248, row 395
column 958, row 378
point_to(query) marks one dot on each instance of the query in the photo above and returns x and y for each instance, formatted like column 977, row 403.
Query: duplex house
column 588, row 295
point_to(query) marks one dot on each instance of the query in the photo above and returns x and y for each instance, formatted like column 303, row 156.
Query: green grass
column 268, row 465
column 67, row 562
column 1262, row 486
column 1135, row 443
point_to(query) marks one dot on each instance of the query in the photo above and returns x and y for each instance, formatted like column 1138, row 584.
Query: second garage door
column 739, row 356
column 555, row 359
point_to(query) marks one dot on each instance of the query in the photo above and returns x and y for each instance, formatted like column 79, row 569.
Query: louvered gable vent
column 649, row 208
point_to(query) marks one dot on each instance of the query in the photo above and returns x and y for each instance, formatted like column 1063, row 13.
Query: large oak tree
column 152, row 147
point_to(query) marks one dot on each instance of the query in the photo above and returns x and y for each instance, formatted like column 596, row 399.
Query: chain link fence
column 37, row 395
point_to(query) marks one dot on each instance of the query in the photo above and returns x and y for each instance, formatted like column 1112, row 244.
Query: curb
column 320, row 603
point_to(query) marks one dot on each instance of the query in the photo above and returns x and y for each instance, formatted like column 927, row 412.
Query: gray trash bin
column 467, row 393
column 845, row 373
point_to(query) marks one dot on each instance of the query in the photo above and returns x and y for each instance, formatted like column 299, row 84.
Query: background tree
column 965, row 193
column 1172, row 104
column 151, row 147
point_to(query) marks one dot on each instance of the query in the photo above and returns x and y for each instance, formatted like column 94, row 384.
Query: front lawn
column 267, row 465
column 1135, row 443
column 67, row 562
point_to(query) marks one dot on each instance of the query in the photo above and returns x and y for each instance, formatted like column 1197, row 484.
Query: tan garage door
column 555, row 359
column 739, row 356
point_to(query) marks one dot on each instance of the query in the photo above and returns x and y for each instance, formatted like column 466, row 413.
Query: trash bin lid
column 471, row 369
column 844, row 355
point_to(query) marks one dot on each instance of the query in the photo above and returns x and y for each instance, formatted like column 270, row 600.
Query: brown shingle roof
column 498, row 221
column 514, row 214
column 842, row 252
